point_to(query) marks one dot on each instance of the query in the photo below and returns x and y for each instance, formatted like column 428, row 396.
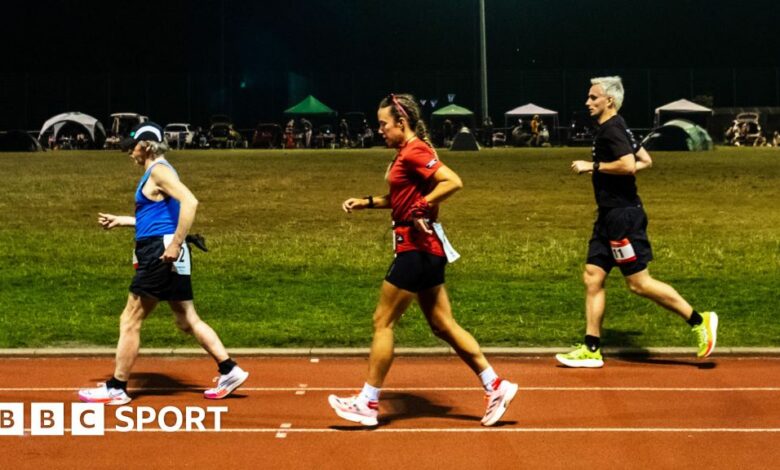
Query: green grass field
column 288, row 268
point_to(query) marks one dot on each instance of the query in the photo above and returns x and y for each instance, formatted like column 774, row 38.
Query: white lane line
column 283, row 429
column 301, row 389
column 314, row 360
column 424, row 389
column 464, row 430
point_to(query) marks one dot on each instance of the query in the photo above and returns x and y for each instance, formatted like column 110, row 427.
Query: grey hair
column 157, row 148
column 613, row 87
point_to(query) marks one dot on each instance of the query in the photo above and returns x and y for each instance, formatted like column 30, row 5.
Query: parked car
column 220, row 118
column 121, row 124
column 223, row 135
column 179, row 134
column 746, row 130
column 267, row 136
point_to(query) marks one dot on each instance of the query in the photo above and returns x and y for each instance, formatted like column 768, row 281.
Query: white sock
column 488, row 377
column 369, row 393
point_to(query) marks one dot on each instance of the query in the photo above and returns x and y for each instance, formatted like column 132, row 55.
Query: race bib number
column 182, row 265
column 622, row 251
column 449, row 251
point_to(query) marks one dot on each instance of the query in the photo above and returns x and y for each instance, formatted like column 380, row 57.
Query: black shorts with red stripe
column 620, row 239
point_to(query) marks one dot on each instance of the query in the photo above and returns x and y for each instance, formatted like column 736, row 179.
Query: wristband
column 370, row 201
column 421, row 209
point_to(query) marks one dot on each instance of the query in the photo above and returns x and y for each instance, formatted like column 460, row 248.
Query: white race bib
column 452, row 255
column 622, row 251
column 182, row 266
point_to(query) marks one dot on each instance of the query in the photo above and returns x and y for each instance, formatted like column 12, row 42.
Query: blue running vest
column 154, row 218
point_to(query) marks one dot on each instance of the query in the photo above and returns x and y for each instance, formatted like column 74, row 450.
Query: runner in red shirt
column 418, row 182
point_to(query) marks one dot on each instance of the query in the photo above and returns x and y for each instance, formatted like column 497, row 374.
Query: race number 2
column 183, row 265
column 622, row 251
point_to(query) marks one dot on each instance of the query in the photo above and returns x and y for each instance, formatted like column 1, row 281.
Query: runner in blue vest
column 164, row 212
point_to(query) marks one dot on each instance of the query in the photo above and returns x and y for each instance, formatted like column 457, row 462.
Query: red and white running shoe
column 498, row 401
column 103, row 394
column 226, row 384
column 355, row 410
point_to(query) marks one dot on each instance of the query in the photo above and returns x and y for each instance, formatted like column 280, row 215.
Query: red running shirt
column 410, row 178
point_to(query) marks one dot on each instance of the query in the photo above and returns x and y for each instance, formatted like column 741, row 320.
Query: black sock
column 592, row 342
column 116, row 383
column 695, row 319
column 226, row 366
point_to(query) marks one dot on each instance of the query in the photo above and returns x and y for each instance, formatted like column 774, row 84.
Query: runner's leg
column 393, row 302
column 130, row 322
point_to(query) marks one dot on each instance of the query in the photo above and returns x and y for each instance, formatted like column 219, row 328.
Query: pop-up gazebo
column 310, row 106
column 530, row 110
column 74, row 120
column 683, row 109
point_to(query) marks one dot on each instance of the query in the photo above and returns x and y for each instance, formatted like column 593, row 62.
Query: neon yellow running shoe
column 581, row 357
column 706, row 333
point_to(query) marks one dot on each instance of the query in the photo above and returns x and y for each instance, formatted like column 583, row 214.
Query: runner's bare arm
column 447, row 183
column 643, row 160
column 167, row 181
column 109, row 221
column 625, row 165
column 359, row 203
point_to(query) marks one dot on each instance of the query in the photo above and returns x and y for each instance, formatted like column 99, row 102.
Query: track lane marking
column 458, row 430
column 422, row 389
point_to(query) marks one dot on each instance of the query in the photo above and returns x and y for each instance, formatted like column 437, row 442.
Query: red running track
column 653, row 413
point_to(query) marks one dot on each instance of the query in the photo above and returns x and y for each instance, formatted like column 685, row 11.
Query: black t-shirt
column 612, row 141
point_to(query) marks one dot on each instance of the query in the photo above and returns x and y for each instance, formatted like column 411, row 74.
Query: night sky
column 379, row 38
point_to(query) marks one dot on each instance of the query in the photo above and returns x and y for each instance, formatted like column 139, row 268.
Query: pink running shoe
column 498, row 401
column 103, row 394
column 353, row 410
column 226, row 384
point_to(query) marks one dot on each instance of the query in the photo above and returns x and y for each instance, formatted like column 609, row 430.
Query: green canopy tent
column 321, row 118
column 310, row 106
column 460, row 117
column 454, row 113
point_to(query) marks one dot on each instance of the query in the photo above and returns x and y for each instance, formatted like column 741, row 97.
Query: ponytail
column 421, row 131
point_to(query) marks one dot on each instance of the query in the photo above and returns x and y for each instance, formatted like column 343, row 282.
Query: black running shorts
column 620, row 239
column 416, row 271
column 156, row 279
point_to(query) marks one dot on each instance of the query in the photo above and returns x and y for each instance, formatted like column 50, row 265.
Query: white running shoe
column 103, row 394
column 226, row 383
column 498, row 401
column 353, row 410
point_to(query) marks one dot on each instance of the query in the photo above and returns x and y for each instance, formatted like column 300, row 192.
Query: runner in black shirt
column 619, row 233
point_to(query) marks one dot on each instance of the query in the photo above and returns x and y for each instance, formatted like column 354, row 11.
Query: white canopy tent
column 92, row 125
column 527, row 111
column 530, row 109
column 682, row 108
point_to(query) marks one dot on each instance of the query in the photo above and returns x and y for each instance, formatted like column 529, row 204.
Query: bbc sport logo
column 88, row 419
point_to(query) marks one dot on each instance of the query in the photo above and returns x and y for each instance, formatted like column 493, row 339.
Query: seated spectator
column 543, row 139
